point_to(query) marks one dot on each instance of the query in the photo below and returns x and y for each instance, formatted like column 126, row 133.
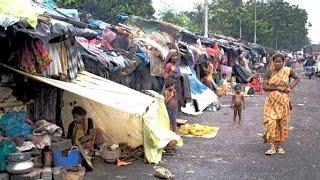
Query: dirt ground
column 237, row 152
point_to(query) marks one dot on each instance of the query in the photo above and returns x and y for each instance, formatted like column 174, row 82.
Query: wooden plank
column 84, row 155
column 67, row 20
column 11, row 104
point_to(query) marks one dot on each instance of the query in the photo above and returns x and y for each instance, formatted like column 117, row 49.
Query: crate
column 4, row 176
column 35, row 174
column 46, row 174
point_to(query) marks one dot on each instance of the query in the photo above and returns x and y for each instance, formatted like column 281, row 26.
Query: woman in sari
column 81, row 129
column 277, row 105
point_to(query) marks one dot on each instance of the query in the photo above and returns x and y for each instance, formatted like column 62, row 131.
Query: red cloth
column 255, row 83
column 214, row 51
column 104, row 43
column 170, row 67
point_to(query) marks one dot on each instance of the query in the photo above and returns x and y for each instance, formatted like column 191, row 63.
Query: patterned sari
column 277, row 109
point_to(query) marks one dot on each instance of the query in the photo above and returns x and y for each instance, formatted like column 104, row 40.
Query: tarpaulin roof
column 24, row 13
column 100, row 90
column 130, row 117
column 57, row 28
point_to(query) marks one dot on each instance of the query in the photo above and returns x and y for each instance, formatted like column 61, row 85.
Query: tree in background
column 289, row 25
column 279, row 24
column 183, row 19
column 179, row 19
column 65, row 2
column 107, row 10
column 197, row 19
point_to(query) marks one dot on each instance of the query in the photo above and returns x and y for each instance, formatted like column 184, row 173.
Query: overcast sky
column 312, row 7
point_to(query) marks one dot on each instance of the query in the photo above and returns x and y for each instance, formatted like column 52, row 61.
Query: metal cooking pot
column 20, row 167
column 18, row 157
column 111, row 156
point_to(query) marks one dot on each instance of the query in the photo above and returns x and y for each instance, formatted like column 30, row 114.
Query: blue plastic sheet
column 143, row 57
column 196, row 86
column 69, row 12
column 13, row 124
column 122, row 17
column 49, row 4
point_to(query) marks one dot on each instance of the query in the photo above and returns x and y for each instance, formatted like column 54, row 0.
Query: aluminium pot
column 18, row 157
column 111, row 156
column 20, row 167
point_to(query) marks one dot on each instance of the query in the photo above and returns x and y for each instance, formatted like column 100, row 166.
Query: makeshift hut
column 41, row 45
column 136, row 55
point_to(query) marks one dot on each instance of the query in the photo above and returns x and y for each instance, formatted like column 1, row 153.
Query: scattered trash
column 260, row 134
column 219, row 160
column 300, row 104
column 190, row 172
column 181, row 121
column 163, row 173
column 122, row 163
column 291, row 128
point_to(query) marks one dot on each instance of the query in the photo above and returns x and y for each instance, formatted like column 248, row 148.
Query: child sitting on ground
column 171, row 101
column 224, row 87
column 223, row 80
column 237, row 104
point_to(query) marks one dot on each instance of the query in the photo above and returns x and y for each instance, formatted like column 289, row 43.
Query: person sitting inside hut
column 208, row 79
column 81, row 129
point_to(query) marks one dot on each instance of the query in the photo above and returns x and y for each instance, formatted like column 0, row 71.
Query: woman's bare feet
column 272, row 150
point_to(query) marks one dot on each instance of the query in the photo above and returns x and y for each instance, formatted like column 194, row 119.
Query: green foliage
column 189, row 20
column 64, row 2
column 107, row 10
column 279, row 24
column 179, row 19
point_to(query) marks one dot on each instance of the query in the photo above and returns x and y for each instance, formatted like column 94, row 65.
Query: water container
column 73, row 158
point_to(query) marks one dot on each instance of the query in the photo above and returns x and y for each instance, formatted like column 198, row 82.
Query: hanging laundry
column 214, row 52
column 54, row 68
column 75, row 63
column 33, row 57
column 41, row 54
